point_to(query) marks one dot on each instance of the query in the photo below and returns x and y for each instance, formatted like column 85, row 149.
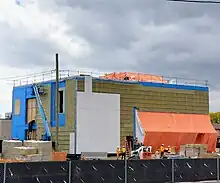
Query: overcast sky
column 150, row 36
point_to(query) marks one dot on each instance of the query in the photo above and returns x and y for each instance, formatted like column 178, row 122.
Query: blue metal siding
column 19, row 124
column 62, row 116
column 19, row 121
column 52, row 104
column 174, row 86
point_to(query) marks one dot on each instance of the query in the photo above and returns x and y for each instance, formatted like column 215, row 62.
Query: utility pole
column 75, row 116
column 57, row 102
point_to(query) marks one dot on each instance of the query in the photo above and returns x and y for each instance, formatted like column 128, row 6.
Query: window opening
column 17, row 107
column 61, row 101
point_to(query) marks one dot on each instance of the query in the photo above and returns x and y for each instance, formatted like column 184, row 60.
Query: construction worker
column 157, row 154
column 83, row 157
column 30, row 129
column 123, row 152
column 137, row 144
column 169, row 149
column 162, row 150
column 118, row 152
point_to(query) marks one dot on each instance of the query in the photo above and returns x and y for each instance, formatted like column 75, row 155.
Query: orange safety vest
column 161, row 149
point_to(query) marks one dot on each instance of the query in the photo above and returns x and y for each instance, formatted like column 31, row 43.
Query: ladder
column 47, row 135
column 127, row 149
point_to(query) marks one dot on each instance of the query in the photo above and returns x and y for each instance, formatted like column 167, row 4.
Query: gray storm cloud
column 159, row 37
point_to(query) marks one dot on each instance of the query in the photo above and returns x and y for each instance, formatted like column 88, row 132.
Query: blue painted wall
column 19, row 124
column 18, row 121
column 62, row 116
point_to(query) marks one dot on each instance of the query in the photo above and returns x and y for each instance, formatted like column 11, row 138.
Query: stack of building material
column 26, row 154
column 193, row 150
column 43, row 147
column 30, row 151
column 24, row 151
column 8, row 148
column 33, row 157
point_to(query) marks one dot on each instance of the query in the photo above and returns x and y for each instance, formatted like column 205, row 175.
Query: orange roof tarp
column 177, row 129
column 134, row 77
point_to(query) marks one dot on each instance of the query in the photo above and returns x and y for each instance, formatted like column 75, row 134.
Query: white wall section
column 72, row 141
column 98, row 122
column 140, row 132
column 88, row 84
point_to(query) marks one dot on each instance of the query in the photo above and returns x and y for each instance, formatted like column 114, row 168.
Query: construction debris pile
column 29, row 150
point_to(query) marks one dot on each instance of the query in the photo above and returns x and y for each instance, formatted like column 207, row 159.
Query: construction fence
column 111, row 171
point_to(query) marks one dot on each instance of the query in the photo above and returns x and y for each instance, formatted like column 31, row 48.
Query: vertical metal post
column 126, row 170
column 70, row 171
column 134, row 127
column 75, row 116
column 173, row 171
column 57, row 102
column 4, row 178
column 218, row 168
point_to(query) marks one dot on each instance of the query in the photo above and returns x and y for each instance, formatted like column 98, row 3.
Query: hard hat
column 168, row 146
column 162, row 144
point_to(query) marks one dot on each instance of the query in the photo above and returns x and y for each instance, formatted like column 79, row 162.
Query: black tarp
column 195, row 170
column 111, row 171
column 152, row 171
column 1, row 172
column 37, row 172
column 97, row 171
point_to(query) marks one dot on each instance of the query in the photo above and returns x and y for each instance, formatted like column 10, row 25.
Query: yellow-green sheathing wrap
column 144, row 97
column 152, row 99
column 69, row 105
column 69, row 111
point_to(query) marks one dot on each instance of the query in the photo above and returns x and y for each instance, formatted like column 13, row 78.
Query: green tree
column 215, row 117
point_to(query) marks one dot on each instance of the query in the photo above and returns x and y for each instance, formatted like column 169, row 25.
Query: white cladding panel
column 140, row 132
column 72, row 145
column 98, row 122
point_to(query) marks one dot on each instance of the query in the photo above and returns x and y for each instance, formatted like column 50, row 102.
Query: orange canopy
column 132, row 76
column 177, row 129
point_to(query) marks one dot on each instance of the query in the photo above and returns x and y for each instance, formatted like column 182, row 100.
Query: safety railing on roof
column 51, row 75
column 47, row 76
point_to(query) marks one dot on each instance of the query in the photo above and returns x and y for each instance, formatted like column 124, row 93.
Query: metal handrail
column 51, row 75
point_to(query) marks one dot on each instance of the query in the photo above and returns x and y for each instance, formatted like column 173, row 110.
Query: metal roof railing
column 51, row 75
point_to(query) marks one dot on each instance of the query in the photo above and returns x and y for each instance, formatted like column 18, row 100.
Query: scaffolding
column 64, row 74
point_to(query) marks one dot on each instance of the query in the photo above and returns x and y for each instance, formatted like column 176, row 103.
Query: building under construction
column 103, row 107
